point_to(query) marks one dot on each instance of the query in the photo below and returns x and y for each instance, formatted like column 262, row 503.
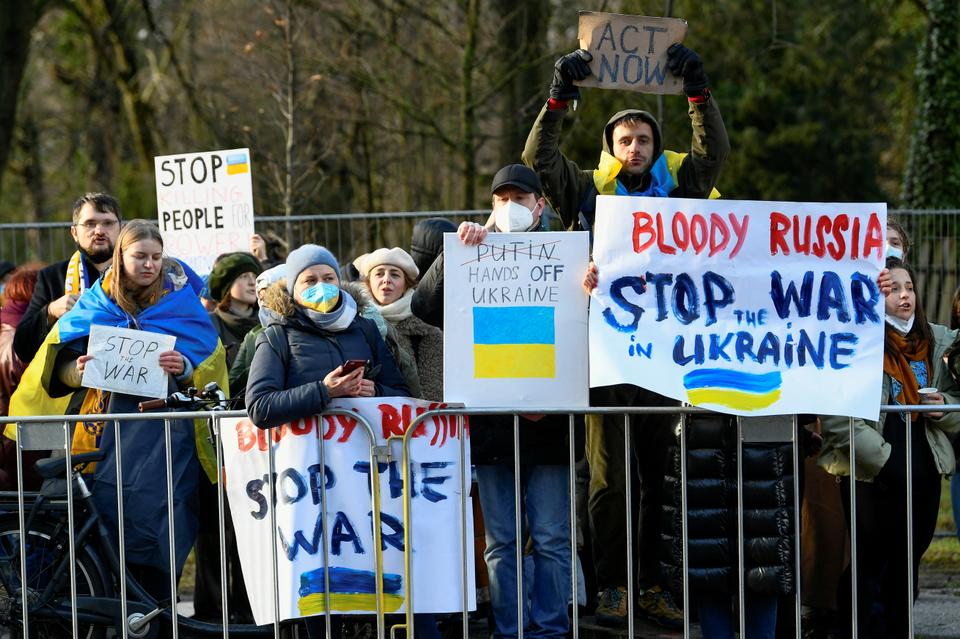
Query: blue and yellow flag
column 514, row 341
column 178, row 313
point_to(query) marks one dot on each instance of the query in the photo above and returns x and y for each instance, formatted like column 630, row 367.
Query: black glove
column 571, row 67
column 685, row 63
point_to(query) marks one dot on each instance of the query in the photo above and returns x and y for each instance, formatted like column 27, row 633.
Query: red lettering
column 246, row 435
column 875, row 237
column 666, row 249
column 642, row 224
column 303, row 426
column 779, row 223
column 740, row 230
column 390, row 421
column 680, row 224
column 823, row 226
column 348, row 424
column 279, row 433
column 331, row 427
column 698, row 222
column 855, row 241
column 799, row 246
column 839, row 246
column 717, row 224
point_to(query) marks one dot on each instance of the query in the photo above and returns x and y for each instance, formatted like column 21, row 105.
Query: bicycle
column 46, row 587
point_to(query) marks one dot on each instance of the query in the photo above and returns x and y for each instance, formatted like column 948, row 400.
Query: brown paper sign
column 630, row 52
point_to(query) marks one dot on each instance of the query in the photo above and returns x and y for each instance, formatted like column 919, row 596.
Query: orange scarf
column 896, row 363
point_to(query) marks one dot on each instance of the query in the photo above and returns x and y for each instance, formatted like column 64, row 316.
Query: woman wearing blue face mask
column 312, row 330
column 298, row 363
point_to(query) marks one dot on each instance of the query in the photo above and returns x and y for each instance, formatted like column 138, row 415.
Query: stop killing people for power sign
column 204, row 204
column 127, row 361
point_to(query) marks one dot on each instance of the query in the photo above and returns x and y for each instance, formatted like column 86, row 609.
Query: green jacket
column 872, row 450
column 240, row 368
column 571, row 190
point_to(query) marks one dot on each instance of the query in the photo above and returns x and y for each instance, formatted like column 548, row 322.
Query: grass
column 944, row 552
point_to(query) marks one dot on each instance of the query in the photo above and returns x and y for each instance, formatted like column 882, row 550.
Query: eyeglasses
column 91, row 225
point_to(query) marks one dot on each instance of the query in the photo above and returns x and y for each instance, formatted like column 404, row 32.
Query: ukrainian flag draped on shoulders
column 663, row 176
column 178, row 312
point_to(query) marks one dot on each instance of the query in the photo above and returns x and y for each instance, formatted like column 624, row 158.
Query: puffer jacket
column 712, row 512
column 571, row 189
column 871, row 446
column 284, row 386
column 426, row 241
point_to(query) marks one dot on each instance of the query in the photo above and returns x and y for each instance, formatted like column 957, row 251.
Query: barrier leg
column 120, row 537
column 797, row 630
column 741, row 567
column 628, row 498
column 67, row 445
column 573, row 530
column 853, row 533
column 171, row 529
column 684, row 530
column 910, row 585
column 221, row 522
column 518, row 522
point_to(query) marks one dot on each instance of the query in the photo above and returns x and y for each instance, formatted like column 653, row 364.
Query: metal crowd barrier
column 54, row 432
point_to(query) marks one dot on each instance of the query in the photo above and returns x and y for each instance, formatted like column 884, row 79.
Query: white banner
column 204, row 205
column 436, row 495
column 126, row 361
column 750, row 308
column 515, row 320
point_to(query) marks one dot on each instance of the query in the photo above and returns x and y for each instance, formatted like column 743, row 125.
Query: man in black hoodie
column 632, row 162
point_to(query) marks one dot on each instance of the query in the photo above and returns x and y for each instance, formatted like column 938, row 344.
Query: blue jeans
column 955, row 500
column 546, row 511
column 717, row 619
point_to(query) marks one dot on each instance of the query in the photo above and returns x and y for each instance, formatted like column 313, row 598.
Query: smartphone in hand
column 353, row 364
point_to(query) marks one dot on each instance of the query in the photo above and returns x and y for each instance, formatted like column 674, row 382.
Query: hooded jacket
column 293, row 355
column 572, row 191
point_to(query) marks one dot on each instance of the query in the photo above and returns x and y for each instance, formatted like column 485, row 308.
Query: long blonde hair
column 128, row 297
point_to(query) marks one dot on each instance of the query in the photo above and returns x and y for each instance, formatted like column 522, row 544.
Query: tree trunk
column 17, row 20
column 468, row 123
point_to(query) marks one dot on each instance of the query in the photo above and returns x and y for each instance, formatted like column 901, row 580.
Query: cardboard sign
column 347, row 529
column 515, row 320
column 750, row 308
column 204, row 205
column 127, row 361
column 630, row 52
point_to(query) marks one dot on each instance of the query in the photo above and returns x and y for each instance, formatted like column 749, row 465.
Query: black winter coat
column 33, row 327
column 712, row 512
column 285, row 386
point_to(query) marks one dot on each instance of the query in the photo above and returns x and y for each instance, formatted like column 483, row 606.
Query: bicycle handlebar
column 210, row 396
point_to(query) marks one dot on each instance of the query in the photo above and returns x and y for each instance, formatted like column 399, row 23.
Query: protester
column 913, row 359
column 544, row 479
column 712, row 520
column 240, row 368
column 298, row 363
column 426, row 241
column 632, row 162
column 6, row 270
column 898, row 241
column 18, row 289
column 96, row 225
column 390, row 276
column 232, row 285
column 146, row 291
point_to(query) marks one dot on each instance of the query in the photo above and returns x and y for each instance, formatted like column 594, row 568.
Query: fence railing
column 935, row 233
column 52, row 579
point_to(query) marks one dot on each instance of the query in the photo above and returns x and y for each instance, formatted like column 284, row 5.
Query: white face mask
column 895, row 252
column 513, row 218
column 902, row 326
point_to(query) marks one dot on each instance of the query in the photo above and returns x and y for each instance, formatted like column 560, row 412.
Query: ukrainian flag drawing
column 514, row 341
column 237, row 163
column 738, row 390
column 350, row 590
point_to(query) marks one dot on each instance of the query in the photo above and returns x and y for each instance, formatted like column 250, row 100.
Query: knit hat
column 6, row 267
column 303, row 258
column 270, row 276
column 229, row 269
column 426, row 242
column 395, row 256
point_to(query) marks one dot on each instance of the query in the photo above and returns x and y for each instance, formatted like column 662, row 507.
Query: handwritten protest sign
column 300, row 536
column 751, row 308
column 515, row 320
column 204, row 204
column 630, row 52
column 127, row 361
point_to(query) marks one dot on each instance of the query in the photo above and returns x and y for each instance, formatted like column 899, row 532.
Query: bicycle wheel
column 44, row 551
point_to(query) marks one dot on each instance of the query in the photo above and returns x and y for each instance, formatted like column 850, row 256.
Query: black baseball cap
column 519, row 176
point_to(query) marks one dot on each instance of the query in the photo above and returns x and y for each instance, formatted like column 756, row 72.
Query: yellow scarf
column 75, row 281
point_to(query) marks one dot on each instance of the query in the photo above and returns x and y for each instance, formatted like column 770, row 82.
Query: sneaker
column 612, row 607
column 657, row 605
